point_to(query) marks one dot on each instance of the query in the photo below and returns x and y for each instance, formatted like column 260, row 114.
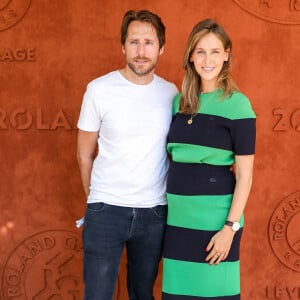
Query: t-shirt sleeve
column 90, row 114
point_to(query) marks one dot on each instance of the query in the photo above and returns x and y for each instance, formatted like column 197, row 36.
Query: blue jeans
column 107, row 229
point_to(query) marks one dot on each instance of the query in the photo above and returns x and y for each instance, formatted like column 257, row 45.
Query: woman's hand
column 219, row 245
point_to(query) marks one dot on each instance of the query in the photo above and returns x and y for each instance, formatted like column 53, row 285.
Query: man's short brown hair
column 143, row 16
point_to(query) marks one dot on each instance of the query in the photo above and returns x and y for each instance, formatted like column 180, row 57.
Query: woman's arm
column 221, row 242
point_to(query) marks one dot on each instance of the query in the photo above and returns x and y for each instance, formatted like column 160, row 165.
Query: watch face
column 236, row 226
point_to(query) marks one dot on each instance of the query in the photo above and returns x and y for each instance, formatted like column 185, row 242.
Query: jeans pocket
column 160, row 211
column 97, row 206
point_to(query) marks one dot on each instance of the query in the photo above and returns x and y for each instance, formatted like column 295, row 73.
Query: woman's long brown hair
column 191, row 86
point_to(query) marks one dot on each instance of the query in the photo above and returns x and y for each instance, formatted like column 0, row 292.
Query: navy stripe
column 199, row 179
column 214, row 131
column 206, row 130
column 189, row 244
column 244, row 136
column 166, row 296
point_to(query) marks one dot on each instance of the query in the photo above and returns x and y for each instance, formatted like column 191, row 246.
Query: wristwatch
column 235, row 226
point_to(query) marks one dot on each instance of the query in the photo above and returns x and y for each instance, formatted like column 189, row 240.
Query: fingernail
column 206, row 249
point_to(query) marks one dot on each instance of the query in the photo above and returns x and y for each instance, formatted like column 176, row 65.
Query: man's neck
column 132, row 77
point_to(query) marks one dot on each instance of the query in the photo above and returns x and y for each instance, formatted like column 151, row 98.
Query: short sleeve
column 243, row 126
column 244, row 136
column 90, row 114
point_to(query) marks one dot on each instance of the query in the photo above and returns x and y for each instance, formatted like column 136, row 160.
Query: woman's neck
column 208, row 87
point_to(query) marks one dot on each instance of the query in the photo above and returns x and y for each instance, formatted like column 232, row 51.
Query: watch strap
column 235, row 226
column 229, row 223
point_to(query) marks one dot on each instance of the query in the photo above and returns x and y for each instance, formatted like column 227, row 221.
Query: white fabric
column 133, row 121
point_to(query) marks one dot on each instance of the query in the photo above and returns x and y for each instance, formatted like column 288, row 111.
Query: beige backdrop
column 50, row 50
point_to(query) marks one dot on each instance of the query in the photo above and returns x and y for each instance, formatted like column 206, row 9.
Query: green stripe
column 176, row 104
column 202, row 280
column 192, row 211
column 235, row 107
column 188, row 153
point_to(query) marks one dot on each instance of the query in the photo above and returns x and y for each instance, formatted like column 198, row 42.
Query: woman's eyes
column 214, row 52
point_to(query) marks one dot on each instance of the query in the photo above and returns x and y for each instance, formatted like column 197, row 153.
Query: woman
column 213, row 128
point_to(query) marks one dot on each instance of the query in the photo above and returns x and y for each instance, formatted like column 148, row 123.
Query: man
column 123, row 124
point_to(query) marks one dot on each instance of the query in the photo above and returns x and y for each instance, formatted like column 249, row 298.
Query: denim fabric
column 107, row 230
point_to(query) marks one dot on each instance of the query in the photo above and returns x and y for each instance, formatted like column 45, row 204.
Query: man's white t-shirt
column 133, row 122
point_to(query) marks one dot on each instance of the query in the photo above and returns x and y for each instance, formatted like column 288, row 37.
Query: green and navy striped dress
column 199, row 191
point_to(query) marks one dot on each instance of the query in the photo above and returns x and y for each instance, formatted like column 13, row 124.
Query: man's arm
column 86, row 153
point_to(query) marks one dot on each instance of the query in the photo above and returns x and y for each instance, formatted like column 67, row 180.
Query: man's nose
column 141, row 49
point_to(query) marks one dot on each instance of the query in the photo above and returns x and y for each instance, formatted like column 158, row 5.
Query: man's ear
column 161, row 50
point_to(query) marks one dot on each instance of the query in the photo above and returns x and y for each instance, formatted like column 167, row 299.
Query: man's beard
column 141, row 72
